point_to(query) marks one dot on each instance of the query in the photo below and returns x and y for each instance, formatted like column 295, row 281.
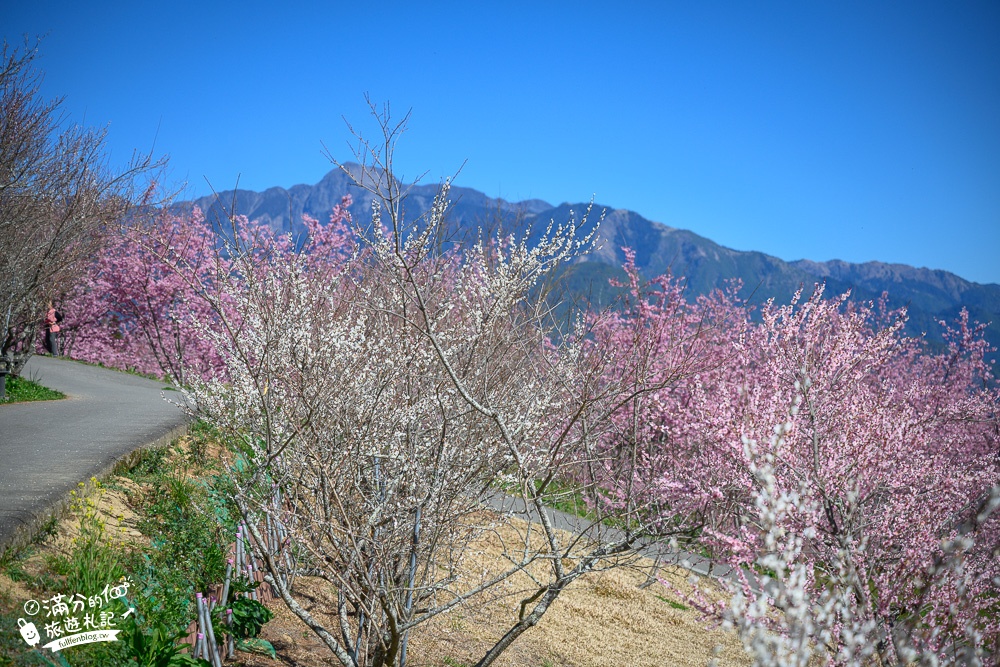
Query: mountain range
column 930, row 295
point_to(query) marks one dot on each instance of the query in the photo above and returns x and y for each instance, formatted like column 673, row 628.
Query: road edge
column 26, row 533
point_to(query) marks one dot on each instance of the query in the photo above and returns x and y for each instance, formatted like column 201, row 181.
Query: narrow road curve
column 47, row 447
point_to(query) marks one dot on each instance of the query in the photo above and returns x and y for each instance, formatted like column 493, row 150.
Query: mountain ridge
column 929, row 294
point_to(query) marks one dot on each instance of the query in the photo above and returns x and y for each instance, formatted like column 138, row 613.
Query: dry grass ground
column 113, row 507
column 603, row 619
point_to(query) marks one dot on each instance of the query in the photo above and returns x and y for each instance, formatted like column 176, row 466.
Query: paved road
column 655, row 550
column 47, row 447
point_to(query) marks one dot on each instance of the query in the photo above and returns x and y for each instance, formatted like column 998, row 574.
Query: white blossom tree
column 383, row 403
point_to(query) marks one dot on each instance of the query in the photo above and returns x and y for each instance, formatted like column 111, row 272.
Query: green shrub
column 158, row 647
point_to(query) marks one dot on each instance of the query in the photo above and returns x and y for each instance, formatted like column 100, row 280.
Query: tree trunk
column 524, row 624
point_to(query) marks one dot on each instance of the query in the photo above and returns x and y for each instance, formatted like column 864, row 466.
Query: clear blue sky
column 849, row 130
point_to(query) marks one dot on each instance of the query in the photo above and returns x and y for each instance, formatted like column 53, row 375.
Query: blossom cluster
column 829, row 452
column 149, row 299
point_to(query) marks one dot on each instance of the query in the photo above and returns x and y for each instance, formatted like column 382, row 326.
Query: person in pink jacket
column 52, row 320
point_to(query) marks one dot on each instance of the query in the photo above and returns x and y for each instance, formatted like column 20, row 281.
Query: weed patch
column 22, row 390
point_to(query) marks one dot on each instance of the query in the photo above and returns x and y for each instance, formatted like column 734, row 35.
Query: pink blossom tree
column 147, row 301
column 835, row 459
column 138, row 308
column 650, row 466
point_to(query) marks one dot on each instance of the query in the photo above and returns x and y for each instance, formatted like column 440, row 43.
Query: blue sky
column 848, row 130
